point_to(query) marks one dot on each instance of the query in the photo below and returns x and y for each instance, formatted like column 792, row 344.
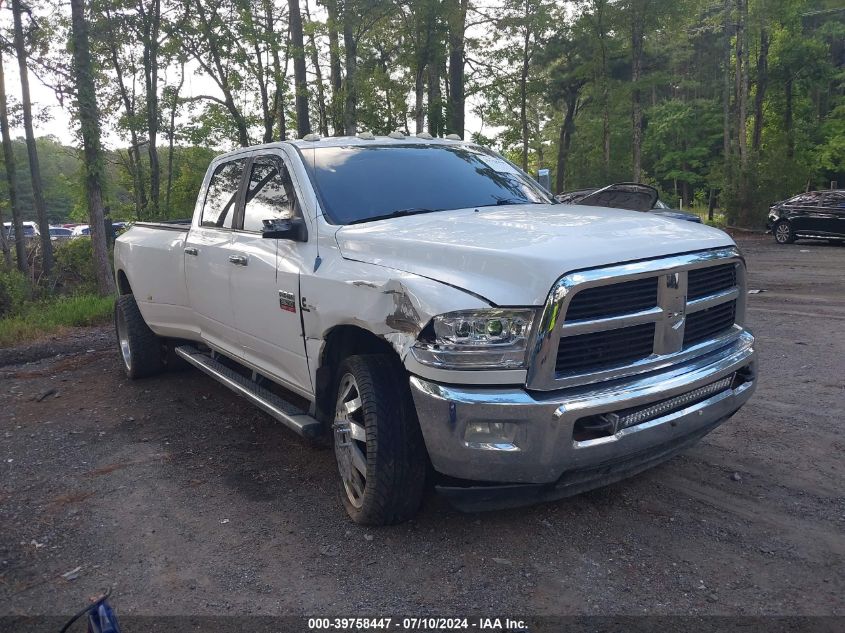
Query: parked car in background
column 661, row 208
column 814, row 214
column 30, row 230
column 626, row 195
column 60, row 233
column 81, row 230
column 427, row 306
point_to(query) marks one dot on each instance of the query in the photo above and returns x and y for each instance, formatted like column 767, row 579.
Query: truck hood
column 511, row 255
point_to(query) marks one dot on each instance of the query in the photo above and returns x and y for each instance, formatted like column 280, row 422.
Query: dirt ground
column 187, row 500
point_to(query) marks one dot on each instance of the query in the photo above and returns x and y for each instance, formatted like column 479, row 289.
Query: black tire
column 783, row 232
column 389, row 439
column 172, row 361
column 139, row 348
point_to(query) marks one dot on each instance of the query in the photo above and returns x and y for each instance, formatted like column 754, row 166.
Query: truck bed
column 167, row 225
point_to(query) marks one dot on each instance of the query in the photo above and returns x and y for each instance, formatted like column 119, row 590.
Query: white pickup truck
column 429, row 307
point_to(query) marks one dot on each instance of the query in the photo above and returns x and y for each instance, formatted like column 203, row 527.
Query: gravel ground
column 187, row 500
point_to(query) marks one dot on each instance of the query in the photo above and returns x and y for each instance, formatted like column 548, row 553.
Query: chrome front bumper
column 529, row 435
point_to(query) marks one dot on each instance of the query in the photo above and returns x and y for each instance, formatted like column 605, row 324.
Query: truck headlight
column 476, row 339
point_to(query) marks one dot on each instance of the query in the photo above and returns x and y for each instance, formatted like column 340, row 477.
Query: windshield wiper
column 506, row 201
column 395, row 214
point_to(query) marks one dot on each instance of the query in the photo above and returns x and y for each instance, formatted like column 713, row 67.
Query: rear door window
column 834, row 200
column 810, row 198
column 221, row 198
column 269, row 195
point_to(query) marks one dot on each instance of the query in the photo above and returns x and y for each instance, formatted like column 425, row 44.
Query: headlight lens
column 476, row 339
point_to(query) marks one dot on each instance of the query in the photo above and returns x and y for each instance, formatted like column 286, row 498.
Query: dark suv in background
column 815, row 214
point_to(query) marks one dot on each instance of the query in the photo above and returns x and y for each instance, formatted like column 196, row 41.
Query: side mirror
column 294, row 229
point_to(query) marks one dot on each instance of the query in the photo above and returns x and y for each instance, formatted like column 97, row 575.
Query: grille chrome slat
column 610, row 323
column 709, row 301
column 708, row 323
column 607, row 301
column 605, row 349
column 707, row 281
column 597, row 322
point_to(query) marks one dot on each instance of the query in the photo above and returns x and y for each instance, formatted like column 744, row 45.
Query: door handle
column 191, row 251
column 238, row 260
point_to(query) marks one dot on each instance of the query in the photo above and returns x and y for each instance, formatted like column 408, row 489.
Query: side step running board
column 282, row 410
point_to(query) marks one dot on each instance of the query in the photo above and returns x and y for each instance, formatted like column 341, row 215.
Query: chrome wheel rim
column 782, row 233
column 123, row 341
column 350, row 440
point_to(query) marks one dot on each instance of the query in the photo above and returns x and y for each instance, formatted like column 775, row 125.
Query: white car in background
column 83, row 230
column 30, row 230
column 60, row 233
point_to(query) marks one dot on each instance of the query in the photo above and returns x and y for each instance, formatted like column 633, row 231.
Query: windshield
column 363, row 183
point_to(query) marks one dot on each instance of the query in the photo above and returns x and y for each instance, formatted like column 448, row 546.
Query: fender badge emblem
column 287, row 301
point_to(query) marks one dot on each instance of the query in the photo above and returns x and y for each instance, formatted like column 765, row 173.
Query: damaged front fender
column 391, row 304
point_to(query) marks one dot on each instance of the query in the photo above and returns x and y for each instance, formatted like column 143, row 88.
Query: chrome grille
column 622, row 320
column 604, row 349
column 707, row 281
column 605, row 301
column 706, row 324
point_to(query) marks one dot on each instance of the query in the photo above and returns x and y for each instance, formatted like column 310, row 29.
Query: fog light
column 491, row 435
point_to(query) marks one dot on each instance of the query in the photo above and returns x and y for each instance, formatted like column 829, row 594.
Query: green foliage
column 15, row 291
column 550, row 84
column 683, row 141
column 49, row 316
column 75, row 264
column 190, row 165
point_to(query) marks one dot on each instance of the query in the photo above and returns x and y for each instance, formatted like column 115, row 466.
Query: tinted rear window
column 359, row 183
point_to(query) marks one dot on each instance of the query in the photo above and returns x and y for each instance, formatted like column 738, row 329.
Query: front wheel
column 377, row 441
column 140, row 349
column 783, row 233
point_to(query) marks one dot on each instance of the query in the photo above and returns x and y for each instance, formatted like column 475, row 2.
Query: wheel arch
column 123, row 286
column 340, row 342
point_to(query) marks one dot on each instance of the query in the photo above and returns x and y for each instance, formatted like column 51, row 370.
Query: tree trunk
column 4, row 243
column 134, row 164
column 350, row 43
column 422, row 57
column 171, row 138
column 565, row 140
column 726, row 88
column 637, row 19
column 435, row 101
column 523, row 87
column 787, row 120
column 711, row 204
column 303, row 123
column 419, row 89
column 741, row 83
column 456, row 104
column 322, row 123
column 31, row 149
column 151, row 22
column 89, row 122
column 215, row 68
column 278, row 73
column 11, row 176
column 762, row 85
column 257, row 70
column 335, row 76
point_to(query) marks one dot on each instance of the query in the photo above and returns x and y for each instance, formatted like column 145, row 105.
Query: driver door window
column 269, row 195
